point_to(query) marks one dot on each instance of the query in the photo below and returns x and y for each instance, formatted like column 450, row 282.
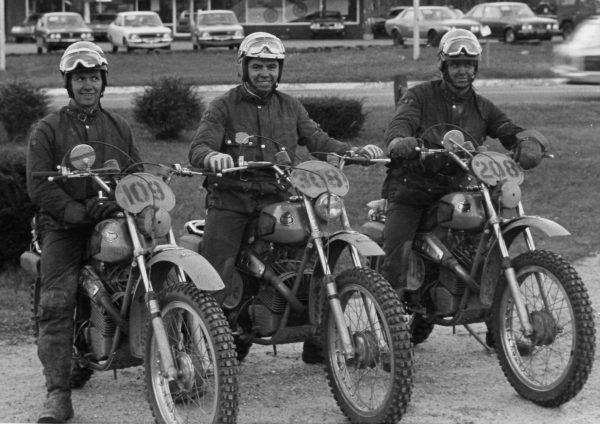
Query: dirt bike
column 478, row 263
column 302, row 280
column 144, row 300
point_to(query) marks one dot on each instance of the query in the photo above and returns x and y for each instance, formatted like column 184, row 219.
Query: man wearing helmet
column 253, row 121
column 423, row 115
column 69, row 209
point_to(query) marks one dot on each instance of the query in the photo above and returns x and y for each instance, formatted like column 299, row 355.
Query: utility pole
column 416, row 40
column 2, row 38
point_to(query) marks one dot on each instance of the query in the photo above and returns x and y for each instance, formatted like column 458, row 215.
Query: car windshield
column 142, row 20
column 65, row 21
column 217, row 19
column 102, row 18
column 516, row 11
column 437, row 14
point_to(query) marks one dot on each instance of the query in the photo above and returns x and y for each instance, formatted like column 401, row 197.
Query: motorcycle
column 302, row 279
column 144, row 300
column 479, row 264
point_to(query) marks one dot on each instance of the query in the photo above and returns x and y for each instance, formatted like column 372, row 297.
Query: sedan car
column 434, row 22
column 578, row 58
column 327, row 23
column 378, row 22
column 216, row 28
column 138, row 30
column 26, row 30
column 511, row 21
column 99, row 24
column 56, row 30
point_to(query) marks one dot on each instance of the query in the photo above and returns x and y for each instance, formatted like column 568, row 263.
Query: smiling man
column 69, row 209
column 253, row 122
column 424, row 114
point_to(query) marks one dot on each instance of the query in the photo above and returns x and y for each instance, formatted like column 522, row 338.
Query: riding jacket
column 427, row 111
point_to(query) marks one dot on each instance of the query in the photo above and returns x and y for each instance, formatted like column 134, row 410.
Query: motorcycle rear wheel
column 204, row 354
column 375, row 385
column 552, row 366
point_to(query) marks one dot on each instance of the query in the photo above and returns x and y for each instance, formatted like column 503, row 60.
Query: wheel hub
column 186, row 371
column 367, row 349
column 544, row 328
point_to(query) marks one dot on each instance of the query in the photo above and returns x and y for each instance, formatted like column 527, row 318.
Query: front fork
column 167, row 363
column 509, row 271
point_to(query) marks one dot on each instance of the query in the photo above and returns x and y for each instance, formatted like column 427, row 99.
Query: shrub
column 167, row 106
column 21, row 105
column 16, row 210
column 340, row 118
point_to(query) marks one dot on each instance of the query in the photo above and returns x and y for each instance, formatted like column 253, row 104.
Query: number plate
column 136, row 191
column 315, row 177
column 493, row 167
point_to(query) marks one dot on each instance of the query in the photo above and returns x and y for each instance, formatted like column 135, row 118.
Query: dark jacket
column 427, row 111
column 49, row 144
column 241, row 124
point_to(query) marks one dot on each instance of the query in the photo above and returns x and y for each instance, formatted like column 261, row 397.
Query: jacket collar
column 249, row 95
column 84, row 115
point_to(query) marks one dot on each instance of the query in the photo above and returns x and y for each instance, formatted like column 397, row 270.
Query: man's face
column 87, row 87
column 461, row 73
column 263, row 74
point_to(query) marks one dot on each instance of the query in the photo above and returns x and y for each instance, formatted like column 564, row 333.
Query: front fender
column 196, row 267
column 363, row 244
column 492, row 266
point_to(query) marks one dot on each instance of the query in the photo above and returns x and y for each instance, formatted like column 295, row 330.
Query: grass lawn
column 349, row 64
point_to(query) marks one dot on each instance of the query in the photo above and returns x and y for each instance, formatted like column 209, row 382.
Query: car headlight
column 328, row 206
column 527, row 27
column 134, row 37
column 205, row 34
column 54, row 36
column 166, row 37
column 475, row 28
column 239, row 34
column 87, row 36
column 314, row 26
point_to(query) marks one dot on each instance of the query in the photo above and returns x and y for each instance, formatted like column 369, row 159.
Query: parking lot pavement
column 181, row 45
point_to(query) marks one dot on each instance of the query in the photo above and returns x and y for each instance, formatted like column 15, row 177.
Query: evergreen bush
column 167, row 106
column 338, row 117
column 21, row 105
column 16, row 209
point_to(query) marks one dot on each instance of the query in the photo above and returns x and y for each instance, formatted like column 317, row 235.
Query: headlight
column 134, row 37
column 205, row 34
column 87, row 36
column 239, row 34
column 475, row 28
column 527, row 27
column 328, row 206
column 153, row 222
column 54, row 36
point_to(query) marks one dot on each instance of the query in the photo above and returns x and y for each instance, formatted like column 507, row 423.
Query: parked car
column 326, row 23
column 434, row 22
column 216, row 28
column 26, row 30
column 513, row 21
column 578, row 58
column 56, row 30
column 139, row 30
column 378, row 22
column 99, row 24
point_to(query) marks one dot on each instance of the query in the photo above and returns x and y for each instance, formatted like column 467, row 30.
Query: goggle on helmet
column 83, row 54
column 260, row 45
column 459, row 44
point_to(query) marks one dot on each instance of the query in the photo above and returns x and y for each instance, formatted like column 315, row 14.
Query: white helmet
column 260, row 45
column 83, row 55
column 458, row 44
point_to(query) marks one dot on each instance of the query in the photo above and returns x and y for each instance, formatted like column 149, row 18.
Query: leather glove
column 403, row 147
column 530, row 150
column 99, row 209
column 218, row 161
column 370, row 151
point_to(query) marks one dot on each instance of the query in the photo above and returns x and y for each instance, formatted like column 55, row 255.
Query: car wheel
column 509, row 36
column 433, row 39
column 397, row 38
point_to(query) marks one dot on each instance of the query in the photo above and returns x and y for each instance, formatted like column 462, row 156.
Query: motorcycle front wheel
column 551, row 366
column 375, row 384
column 202, row 347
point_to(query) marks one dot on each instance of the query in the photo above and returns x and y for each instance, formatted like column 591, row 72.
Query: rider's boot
column 312, row 352
column 57, row 407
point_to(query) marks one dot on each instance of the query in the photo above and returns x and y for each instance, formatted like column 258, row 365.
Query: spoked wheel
column 202, row 347
column 551, row 366
column 375, row 384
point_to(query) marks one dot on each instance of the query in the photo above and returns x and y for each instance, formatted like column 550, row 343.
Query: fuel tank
column 283, row 222
column 110, row 241
column 461, row 211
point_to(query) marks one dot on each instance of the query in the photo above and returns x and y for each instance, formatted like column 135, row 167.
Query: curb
column 220, row 88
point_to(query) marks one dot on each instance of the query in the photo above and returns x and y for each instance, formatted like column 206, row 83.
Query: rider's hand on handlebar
column 370, row 151
column 216, row 161
column 99, row 209
column 403, row 147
